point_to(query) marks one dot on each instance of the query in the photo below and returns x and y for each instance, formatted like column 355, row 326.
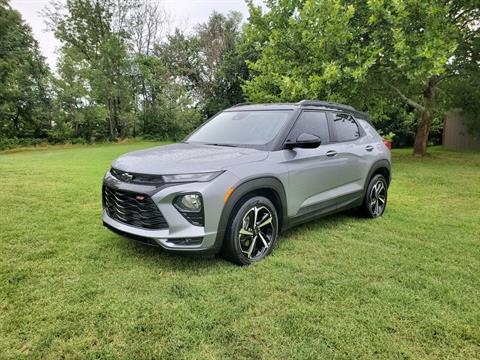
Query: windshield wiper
column 216, row 144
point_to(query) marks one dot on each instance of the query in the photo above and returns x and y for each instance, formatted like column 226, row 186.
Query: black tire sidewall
column 233, row 249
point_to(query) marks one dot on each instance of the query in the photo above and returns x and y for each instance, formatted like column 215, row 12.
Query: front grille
column 134, row 209
column 133, row 178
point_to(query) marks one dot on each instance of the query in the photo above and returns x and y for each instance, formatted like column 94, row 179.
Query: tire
column 244, row 243
column 375, row 201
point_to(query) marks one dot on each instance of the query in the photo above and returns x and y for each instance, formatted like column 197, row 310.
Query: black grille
column 194, row 218
column 134, row 178
column 133, row 209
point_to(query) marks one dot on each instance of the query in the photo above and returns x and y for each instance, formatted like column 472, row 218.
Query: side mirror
column 304, row 141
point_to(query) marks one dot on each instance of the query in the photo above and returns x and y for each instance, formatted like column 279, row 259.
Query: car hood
column 186, row 158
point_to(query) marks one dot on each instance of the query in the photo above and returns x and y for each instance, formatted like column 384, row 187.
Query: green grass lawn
column 403, row 286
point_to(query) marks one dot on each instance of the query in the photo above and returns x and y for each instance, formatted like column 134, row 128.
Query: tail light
column 388, row 143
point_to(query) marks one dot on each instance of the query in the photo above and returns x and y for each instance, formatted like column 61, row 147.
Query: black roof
column 302, row 104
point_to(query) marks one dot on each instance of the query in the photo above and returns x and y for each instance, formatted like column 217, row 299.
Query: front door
column 313, row 173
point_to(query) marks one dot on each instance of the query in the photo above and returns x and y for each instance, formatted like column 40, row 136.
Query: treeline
column 121, row 73
column 124, row 72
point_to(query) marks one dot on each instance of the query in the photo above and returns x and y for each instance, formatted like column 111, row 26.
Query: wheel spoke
column 263, row 239
column 266, row 222
column 380, row 188
column 382, row 199
column 245, row 232
column 252, row 245
column 255, row 215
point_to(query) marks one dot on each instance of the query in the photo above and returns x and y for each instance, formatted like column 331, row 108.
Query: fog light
column 190, row 202
column 191, row 207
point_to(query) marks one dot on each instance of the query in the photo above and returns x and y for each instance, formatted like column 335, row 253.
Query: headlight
column 191, row 207
column 201, row 177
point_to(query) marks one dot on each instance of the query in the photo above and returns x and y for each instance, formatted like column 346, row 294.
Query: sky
column 185, row 13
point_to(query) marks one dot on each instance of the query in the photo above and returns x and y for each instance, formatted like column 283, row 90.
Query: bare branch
column 406, row 99
column 440, row 78
column 149, row 24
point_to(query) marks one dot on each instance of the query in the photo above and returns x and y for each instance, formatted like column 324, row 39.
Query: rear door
column 349, row 146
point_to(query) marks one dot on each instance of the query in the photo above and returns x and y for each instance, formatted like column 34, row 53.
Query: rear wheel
column 375, row 200
column 252, row 231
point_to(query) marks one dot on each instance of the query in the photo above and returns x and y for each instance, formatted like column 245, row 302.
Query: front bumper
column 181, row 235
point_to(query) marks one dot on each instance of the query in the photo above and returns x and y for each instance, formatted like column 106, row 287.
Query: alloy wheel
column 256, row 232
column 378, row 198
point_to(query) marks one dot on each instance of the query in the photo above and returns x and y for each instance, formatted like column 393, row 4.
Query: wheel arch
column 381, row 167
column 269, row 186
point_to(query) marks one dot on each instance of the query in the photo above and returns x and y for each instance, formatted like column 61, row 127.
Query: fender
column 242, row 189
column 377, row 165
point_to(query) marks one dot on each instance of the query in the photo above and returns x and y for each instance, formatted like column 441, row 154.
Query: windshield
column 234, row 128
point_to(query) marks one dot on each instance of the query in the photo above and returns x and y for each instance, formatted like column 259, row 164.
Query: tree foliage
column 461, row 88
column 209, row 62
column 361, row 52
column 24, row 87
column 94, row 42
column 120, row 64
column 123, row 71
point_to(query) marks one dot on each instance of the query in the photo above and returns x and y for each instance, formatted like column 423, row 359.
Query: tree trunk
column 421, row 139
column 134, row 114
column 110, row 120
column 15, row 121
column 144, row 107
column 119, row 126
column 423, row 129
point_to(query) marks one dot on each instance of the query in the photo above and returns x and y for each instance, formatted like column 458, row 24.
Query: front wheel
column 252, row 231
column 375, row 200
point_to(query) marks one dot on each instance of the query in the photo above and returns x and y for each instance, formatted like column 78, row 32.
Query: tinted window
column 242, row 128
column 311, row 122
column 345, row 127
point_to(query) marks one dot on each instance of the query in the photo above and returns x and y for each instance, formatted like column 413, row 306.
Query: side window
column 311, row 122
column 345, row 127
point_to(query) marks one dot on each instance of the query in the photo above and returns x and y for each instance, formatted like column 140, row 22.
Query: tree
column 148, row 24
column 460, row 89
column 341, row 50
column 24, row 86
column 208, row 62
column 81, row 116
column 96, row 31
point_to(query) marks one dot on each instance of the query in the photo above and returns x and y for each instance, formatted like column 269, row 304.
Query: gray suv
column 245, row 175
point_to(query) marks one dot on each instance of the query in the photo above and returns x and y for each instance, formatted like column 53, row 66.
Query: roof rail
column 325, row 104
column 242, row 104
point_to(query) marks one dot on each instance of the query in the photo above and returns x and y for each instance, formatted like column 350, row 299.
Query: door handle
column 369, row 147
column 331, row 153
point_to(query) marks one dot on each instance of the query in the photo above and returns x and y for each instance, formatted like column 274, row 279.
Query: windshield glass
column 241, row 128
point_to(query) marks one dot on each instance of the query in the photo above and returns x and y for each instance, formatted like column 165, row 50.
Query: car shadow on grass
column 157, row 255
column 182, row 262
column 329, row 221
